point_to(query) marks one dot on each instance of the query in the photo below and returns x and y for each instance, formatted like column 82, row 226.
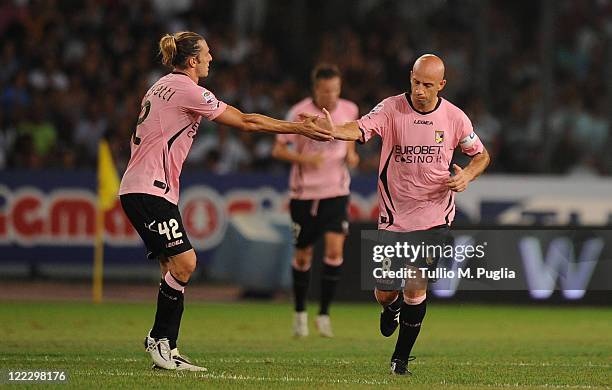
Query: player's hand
column 328, row 123
column 303, row 116
column 325, row 123
column 460, row 181
column 352, row 159
column 310, row 127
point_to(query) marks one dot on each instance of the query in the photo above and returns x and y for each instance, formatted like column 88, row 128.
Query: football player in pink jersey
column 170, row 115
column 319, row 192
column 419, row 130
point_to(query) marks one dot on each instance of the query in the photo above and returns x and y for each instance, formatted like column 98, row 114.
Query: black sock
column 301, row 279
column 176, row 322
column 411, row 317
column 168, row 302
column 178, row 315
column 329, row 281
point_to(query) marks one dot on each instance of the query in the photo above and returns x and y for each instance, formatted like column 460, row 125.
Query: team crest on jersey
column 439, row 136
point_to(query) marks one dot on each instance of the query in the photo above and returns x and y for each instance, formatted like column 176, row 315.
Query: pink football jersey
column 169, row 119
column 332, row 177
column 417, row 149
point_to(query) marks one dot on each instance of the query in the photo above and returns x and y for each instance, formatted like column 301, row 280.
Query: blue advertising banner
column 50, row 216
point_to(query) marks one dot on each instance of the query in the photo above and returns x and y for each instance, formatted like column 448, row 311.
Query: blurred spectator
column 89, row 130
column 16, row 94
column 229, row 151
column 249, row 16
column 591, row 128
column 7, row 139
column 486, row 125
column 38, row 132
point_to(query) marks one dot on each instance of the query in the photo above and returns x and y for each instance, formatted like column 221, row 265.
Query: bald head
column 429, row 66
column 426, row 80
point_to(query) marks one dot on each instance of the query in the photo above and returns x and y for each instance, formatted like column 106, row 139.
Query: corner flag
column 108, row 180
column 108, row 187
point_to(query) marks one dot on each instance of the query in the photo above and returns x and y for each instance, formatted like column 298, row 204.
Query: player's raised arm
column 257, row 122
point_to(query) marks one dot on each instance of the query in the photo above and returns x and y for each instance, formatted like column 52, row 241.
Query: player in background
column 419, row 132
column 170, row 115
column 319, row 191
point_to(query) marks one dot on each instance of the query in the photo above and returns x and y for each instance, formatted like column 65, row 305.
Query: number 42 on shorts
column 169, row 228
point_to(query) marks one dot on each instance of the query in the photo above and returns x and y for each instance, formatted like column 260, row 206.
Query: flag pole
column 98, row 266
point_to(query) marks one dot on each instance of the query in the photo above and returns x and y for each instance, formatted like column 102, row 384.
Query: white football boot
column 323, row 324
column 300, row 324
column 160, row 352
column 183, row 364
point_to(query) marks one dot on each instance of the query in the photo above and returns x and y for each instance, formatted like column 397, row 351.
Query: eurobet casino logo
column 439, row 136
column 411, row 154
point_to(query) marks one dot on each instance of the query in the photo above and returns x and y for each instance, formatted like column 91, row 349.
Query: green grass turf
column 248, row 345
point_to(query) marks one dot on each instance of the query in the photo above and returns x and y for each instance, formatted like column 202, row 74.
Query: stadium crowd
column 74, row 71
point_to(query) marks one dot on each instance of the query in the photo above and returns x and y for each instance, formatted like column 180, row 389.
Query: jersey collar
column 407, row 96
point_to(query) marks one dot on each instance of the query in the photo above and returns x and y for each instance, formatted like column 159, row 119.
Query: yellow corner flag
column 108, row 180
column 108, row 187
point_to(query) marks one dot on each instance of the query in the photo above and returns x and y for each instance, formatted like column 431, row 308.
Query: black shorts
column 312, row 218
column 438, row 235
column 158, row 222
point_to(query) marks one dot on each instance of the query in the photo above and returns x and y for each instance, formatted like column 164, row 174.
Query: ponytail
column 167, row 48
column 178, row 47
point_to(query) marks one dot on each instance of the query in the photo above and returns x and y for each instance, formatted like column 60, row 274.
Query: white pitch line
column 417, row 362
column 520, row 364
column 320, row 361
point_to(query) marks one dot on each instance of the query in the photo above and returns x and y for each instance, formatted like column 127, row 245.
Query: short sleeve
column 468, row 140
column 204, row 102
column 376, row 121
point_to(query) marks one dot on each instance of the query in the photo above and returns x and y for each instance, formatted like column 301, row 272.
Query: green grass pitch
column 248, row 345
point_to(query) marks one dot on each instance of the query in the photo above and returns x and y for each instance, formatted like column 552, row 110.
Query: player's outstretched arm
column 348, row 131
column 463, row 176
column 257, row 122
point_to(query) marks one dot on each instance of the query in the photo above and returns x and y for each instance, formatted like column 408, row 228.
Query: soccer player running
column 169, row 119
column 419, row 131
column 319, row 192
